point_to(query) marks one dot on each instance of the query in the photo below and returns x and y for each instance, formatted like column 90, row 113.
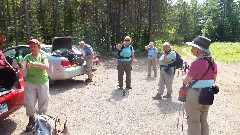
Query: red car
column 11, row 91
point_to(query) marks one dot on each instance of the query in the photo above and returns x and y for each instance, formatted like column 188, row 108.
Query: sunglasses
column 126, row 40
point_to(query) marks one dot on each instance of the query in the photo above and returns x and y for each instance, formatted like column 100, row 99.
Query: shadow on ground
column 118, row 95
column 166, row 106
column 7, row 126
column 65, row 85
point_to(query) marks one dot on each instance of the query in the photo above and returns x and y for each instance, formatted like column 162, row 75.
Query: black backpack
column 119, row 51
column 178, row 63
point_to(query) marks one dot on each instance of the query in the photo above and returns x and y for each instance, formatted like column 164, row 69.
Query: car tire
column 51, row 82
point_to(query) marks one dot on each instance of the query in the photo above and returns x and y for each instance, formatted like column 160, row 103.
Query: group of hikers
column 201, row 75
column 199, row 79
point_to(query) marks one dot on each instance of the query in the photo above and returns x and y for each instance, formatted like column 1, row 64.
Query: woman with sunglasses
column 125, row 60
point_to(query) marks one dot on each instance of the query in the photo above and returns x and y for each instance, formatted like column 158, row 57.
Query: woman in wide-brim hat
column 204, row 70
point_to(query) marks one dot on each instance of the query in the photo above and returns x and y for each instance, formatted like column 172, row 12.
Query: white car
column 60, row 67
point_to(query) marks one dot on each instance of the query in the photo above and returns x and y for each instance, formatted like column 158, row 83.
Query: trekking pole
column 178, row 119
column 182, row 115
column 123, row 90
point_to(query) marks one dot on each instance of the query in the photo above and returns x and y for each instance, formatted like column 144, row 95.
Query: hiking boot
column 168, row 95
column 157, row 97
column 88, row 80
column 31, row 124
column 120, row 87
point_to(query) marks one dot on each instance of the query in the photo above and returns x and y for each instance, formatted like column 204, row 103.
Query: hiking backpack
column 119, row 51
column 44, row 125
column 178, row 63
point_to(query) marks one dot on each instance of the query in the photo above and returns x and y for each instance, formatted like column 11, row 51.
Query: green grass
column 179, row 49
column 224, row 52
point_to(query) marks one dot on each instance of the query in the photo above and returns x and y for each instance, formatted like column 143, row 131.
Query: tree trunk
column 15, row 21
column 27, row 19
column 56, row 19
column 42, row 13
column 9, row 23
column 150, row 21
column 5, row 20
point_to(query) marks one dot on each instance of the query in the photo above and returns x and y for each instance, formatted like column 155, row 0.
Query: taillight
column 65, row 63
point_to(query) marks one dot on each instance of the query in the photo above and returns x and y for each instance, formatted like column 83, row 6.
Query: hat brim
column 199, row 47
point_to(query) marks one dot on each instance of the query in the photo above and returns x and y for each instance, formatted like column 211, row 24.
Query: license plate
column 3, row 108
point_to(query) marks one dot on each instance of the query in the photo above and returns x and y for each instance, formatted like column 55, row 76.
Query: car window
column 47, row 49
column 24, row 51
column 10, row 53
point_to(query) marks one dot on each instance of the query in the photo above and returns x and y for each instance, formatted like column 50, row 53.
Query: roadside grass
column 226, row 52
column 221, row 51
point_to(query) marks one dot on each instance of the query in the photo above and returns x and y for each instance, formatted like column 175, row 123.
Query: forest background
column 104, row 23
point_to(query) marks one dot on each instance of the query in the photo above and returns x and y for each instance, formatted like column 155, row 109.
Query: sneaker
column 157, row 97
column 168, row 95
column 129, row 87
column 31, row 124
column 148, row 75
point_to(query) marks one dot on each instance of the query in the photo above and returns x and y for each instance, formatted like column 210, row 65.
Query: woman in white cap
column 152, row 58
column 36, row 84
column 200, row 77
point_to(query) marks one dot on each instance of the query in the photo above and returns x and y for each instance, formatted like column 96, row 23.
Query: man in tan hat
column 152, row 58
column 36, row 84
column 201, row 77
column 2, row 57
column 166, row 71
column 88, row 56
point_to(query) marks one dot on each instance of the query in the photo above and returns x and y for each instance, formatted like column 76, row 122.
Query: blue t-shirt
column 88, row 49
column 126, row 52
column 152, row 53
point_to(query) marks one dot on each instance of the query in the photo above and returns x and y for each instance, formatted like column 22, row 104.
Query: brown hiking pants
column 152, row 64
column 196, row 114
column 124, row 66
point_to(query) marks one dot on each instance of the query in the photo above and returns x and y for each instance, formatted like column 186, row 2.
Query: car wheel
column 51, row 82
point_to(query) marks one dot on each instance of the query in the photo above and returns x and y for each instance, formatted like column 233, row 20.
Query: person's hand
column 32, row 64
column 183, row 76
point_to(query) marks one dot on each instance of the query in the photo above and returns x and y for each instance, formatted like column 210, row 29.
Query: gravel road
column 99, row 108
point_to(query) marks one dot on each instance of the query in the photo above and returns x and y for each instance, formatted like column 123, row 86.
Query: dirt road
column 99, row 108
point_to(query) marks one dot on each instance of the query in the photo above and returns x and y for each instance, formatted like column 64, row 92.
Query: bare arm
column 119, row 46
column 89, row 56
column 214, row 77
column 165, row 58
column 187, row 79
column 132, row 58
